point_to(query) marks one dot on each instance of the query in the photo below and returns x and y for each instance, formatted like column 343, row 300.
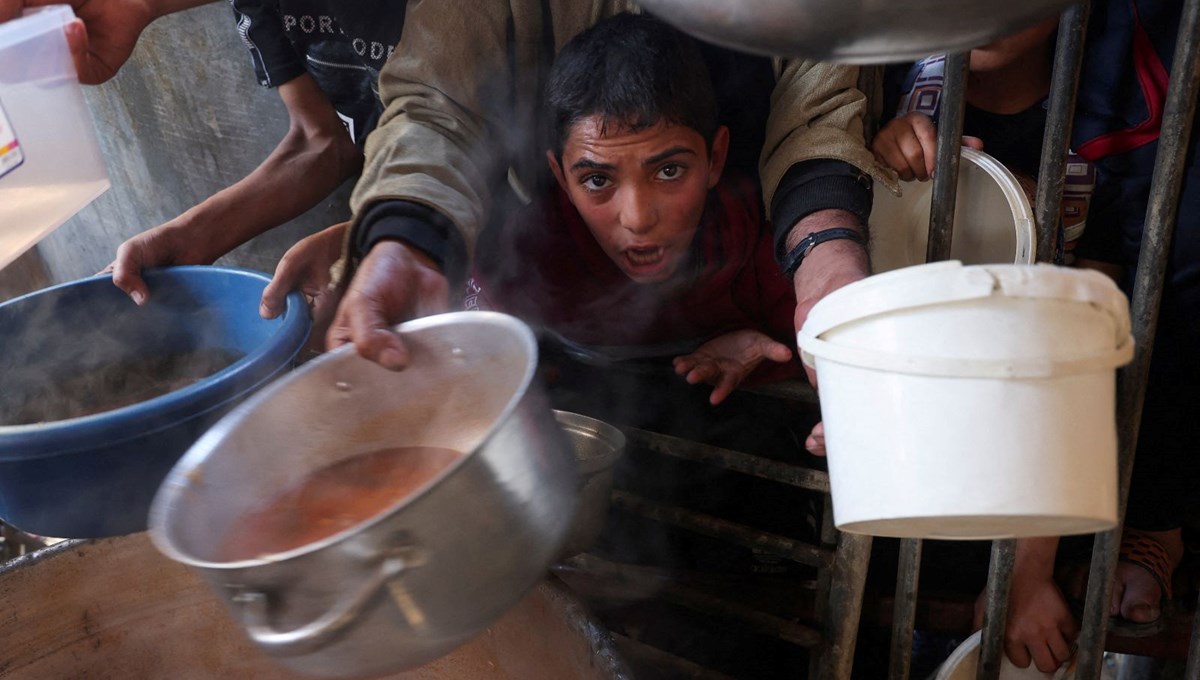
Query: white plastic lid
column 993, row 219
column 948, row 282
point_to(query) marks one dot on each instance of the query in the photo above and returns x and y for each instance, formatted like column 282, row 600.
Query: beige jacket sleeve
column 439, row 141
column 817, row 111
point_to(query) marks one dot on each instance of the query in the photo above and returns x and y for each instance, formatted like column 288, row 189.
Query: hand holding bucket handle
column 251, row 609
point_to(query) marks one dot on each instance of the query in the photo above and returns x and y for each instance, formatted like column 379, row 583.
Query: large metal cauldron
column 116, row 608
column 424, row 575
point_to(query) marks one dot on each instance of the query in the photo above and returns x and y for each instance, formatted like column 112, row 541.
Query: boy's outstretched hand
column 727, row 359
column 1040, row 629
column 908, row 145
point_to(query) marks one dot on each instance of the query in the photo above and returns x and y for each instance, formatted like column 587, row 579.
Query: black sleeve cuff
column 417, row 225
column 815, row 185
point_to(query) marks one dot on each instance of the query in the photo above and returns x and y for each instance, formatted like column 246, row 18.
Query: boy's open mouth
column 642, row 257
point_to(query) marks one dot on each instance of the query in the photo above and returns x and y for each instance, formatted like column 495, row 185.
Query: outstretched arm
column 431, row 164
column 313, row 158
column 1040, row 628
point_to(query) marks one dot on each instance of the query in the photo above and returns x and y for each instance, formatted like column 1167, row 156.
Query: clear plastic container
column 50, row 163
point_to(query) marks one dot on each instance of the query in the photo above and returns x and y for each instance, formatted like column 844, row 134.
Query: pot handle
column 252, row 609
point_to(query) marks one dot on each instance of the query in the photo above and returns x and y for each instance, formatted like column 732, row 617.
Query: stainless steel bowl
column 853, row 31
column 598, row 446
column 438, row 567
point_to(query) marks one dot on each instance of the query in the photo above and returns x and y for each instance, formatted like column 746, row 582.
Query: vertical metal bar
column 1161, row 215
column 1193, row 662
column 1052, row 173
column 941, row 232
column 904, row 611
column 829, row 537
column 949, row 143
column 995, row 612
column 849, row 579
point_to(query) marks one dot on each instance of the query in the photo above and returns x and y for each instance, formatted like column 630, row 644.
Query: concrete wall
column 183, row 119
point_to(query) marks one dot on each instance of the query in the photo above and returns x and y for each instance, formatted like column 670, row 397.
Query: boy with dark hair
column 642, row 250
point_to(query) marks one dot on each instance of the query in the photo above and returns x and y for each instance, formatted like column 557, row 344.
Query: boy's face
column 641, row 194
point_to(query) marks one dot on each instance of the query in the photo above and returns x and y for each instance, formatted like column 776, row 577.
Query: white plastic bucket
column 993, row 220
column 963, row 664
column 971, row 402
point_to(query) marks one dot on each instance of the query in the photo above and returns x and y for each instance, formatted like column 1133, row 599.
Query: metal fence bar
column 848, row 581
column 951, row 112
column 829, row 540
column 995, row 612
column 949, row 142
column 1161, row 215
column 724, row 530
column 736, row 461
column 1052, row 173
column 904, row 608
column 1068, row 58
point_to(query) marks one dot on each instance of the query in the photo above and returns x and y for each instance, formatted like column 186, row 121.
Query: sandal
column 1143, row 550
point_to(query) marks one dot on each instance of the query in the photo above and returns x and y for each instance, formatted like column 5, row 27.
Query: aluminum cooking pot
column 441, row 564
column 853, row 31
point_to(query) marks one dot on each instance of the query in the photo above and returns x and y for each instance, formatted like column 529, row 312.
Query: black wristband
column 796, row 255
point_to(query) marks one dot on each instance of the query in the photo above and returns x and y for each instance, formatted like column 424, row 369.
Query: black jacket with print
column 342, row 45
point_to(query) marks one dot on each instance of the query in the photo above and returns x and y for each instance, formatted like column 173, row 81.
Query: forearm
column 298, row 175
column 1034, row 557
column 819, row 194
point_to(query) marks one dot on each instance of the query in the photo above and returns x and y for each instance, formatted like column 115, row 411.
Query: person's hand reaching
column 395, row 282
column 161, row 246
column 908, row 145
column 105, row 31
column 1040, row 628
column 305, row 267
column 104, row 34
column 727, row 359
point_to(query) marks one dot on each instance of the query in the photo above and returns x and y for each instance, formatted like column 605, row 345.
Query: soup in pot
column 334, row 498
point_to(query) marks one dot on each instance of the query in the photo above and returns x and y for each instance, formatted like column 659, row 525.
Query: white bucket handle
column 962, row 368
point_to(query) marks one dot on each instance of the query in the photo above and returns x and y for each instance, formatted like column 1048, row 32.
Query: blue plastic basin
column 95, row 475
